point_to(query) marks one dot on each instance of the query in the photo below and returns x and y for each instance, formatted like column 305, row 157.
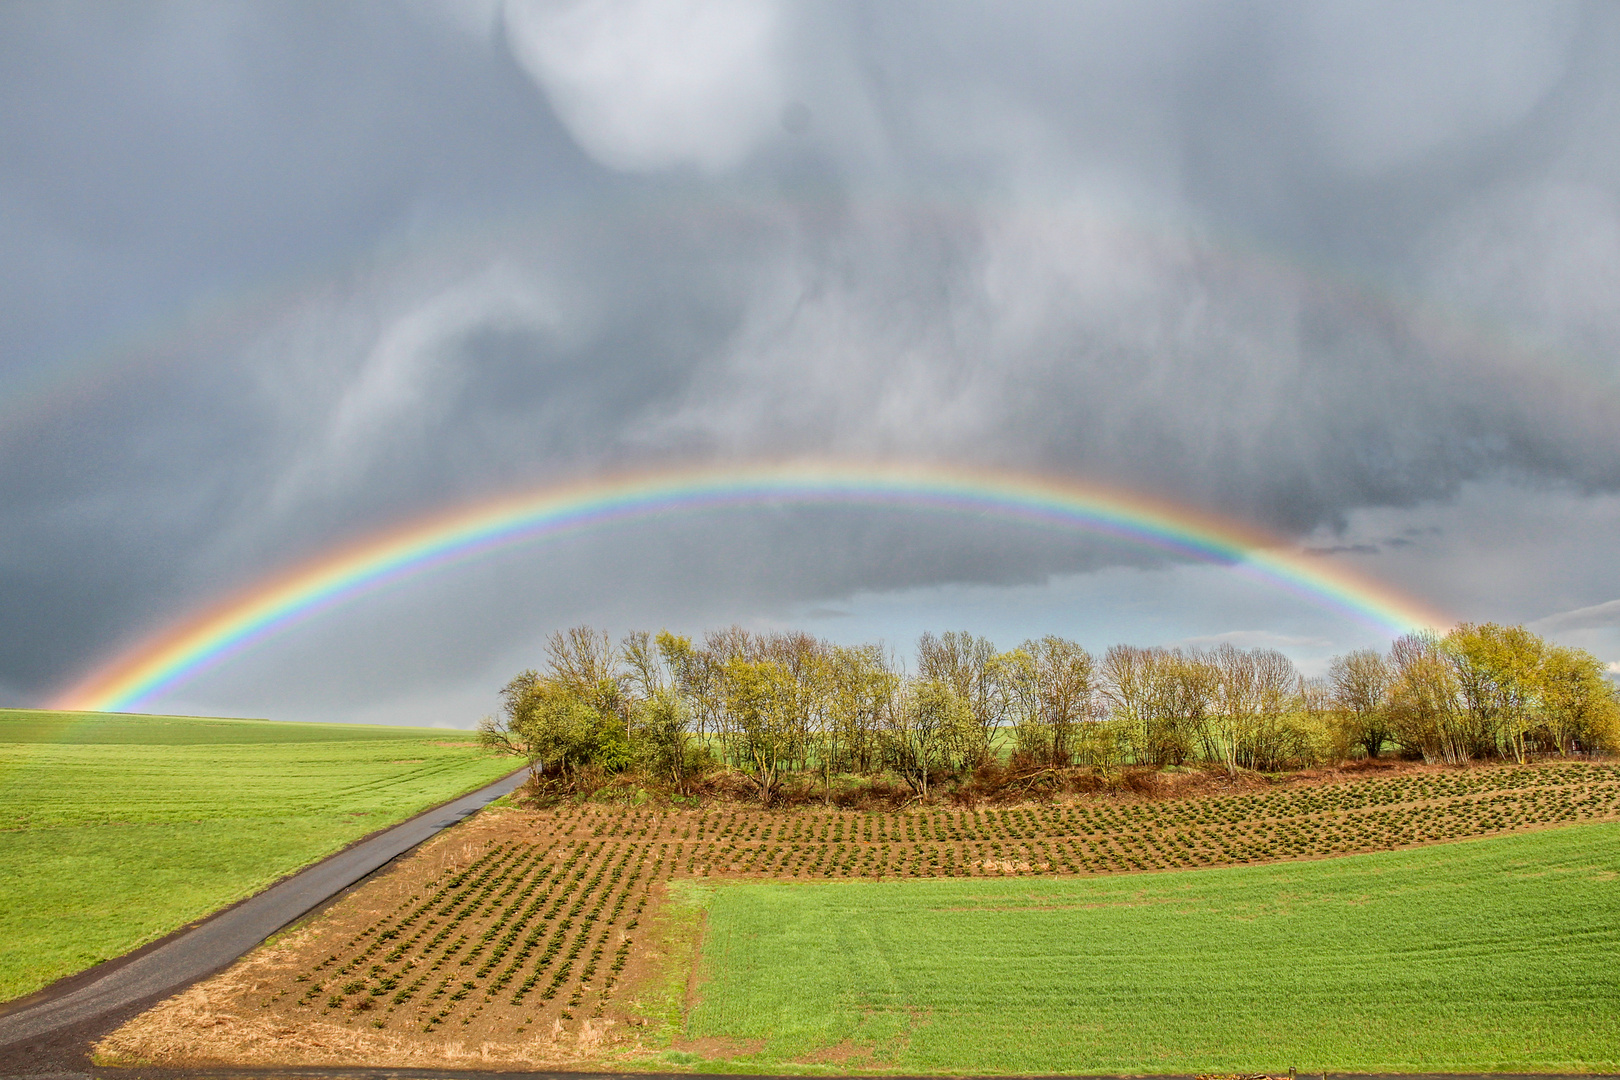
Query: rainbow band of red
column 170, row 659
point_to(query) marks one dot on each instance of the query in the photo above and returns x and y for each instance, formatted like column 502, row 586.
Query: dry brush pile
column 523, row 933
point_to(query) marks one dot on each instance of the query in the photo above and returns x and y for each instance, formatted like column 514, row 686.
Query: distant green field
column 1500, row 954
column 116, row 829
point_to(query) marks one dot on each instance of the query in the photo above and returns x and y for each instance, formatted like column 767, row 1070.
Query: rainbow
column 174, row 656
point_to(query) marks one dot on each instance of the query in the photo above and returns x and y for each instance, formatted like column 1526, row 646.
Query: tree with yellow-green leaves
column 761, row 700
column 1578, row 708
column 1498, row 684
column 780, row 705
column 970, row 665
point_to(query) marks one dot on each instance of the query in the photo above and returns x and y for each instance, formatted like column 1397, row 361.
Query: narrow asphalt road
column 47, row 1035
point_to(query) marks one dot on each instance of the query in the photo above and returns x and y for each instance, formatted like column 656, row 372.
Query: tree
column 1423, row 700
column 1127, row 685
column 1045, row 687
column 1139, row 685
column 1274, row 742
column 967, row 663
column 1497, row 677
column 929, row 716
column 760, row 700
column 695, row 676
column 1017, row 691
column 557, row 730
column 505, row 733
column 1064, row 675
column 862, row 683
column 1360, row 683
column 662, row 742
column 584, row 662
column 1237, row 704
column 660, row 723
column 1579, row 709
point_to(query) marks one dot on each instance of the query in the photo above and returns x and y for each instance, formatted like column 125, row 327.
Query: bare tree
column 925, row 719
column 1273, row 743
column 583, row 661
column 1360, row 684
column 1047, row 686
column 1237, row 698
column 967, row 664
column 1423, row 699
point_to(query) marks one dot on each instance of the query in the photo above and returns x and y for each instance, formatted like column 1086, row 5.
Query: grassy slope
column 115, row 830
column 1487, row 955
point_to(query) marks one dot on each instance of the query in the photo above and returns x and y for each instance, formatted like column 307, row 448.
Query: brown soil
column 529, row 938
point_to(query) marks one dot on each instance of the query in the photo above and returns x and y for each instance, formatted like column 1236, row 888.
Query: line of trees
column 780, row 706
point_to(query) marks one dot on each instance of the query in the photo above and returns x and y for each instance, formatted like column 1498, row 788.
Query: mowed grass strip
column 117, row 829
column 1487, row 955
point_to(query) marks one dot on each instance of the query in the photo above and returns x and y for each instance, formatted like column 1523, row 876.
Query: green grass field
column 1500, row 954
column 116, row 829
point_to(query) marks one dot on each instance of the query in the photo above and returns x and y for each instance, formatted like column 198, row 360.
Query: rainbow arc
column 179, row 653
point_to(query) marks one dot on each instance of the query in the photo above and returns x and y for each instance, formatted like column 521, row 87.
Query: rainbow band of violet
column 172, row 657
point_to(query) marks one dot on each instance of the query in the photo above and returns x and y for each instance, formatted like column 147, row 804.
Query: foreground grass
column 1487, row 955
column 117, row 829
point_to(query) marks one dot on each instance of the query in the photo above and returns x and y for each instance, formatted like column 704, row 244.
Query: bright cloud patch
column 650, row 84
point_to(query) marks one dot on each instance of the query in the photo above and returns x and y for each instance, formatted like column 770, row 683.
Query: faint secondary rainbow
column 169, row 659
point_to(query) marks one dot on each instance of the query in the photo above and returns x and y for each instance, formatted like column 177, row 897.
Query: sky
column 278, row 277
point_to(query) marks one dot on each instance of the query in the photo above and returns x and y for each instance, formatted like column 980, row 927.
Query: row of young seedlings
column 576, row 944
column 492, row 942
column 568, row 879
column 1028, row 823
column 445, row 910
column 530, row 923
column 1097, row 850
column 582, row 985
column 450, row 918
column 382, row 932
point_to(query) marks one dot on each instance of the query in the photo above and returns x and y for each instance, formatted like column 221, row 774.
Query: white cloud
column 651, row 84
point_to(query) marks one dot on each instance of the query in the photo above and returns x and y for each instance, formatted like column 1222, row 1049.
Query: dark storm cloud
column 1287, row 261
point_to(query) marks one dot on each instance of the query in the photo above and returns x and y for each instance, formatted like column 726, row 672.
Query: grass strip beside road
column 1489, row 955
column 116, row 830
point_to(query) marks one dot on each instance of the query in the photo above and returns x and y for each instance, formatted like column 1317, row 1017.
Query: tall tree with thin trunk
column 1360, row 683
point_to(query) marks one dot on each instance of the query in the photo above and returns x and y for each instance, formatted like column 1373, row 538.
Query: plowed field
column 542, row 937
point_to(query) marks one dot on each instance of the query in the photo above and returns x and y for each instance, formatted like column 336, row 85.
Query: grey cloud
column 1343, row 549
column 1283, row 261
column 1586, row 618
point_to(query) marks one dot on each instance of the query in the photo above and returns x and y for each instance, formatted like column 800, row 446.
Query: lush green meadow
column 1496, row 954
column 116, row 829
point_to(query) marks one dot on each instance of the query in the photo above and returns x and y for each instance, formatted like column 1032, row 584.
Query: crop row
column 541, row 924
column 1429, row 804
column 524, row 922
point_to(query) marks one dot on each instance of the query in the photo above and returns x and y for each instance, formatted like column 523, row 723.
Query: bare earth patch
column 546, row 938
